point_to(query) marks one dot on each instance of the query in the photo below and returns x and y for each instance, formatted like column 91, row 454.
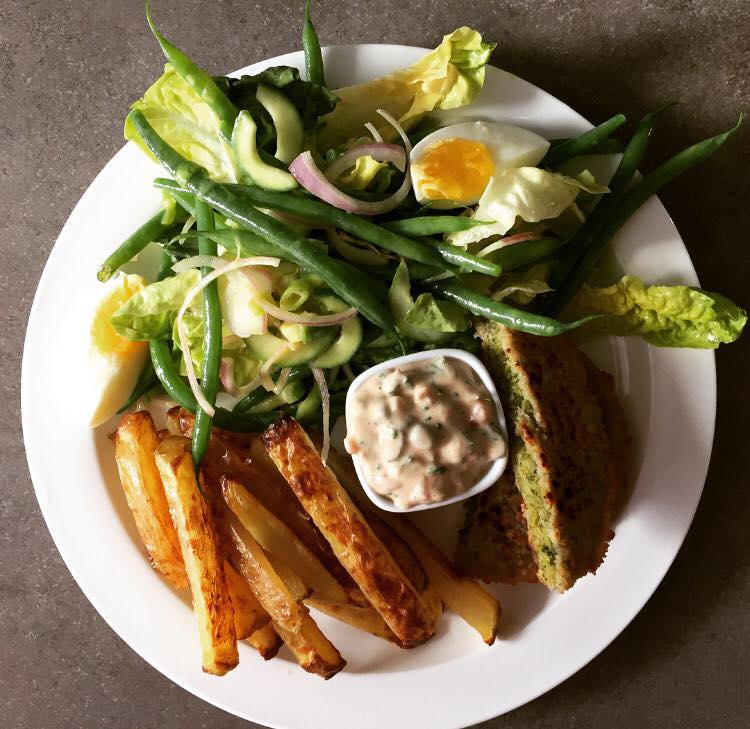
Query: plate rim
column 31, row 448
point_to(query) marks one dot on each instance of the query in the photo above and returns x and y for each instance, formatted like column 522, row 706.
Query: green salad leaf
column 522, row 286
column 311, row 100
column 401, row 303
column 529, row 193
column 187, row 123
column 151, row 312
column 446, row 78
column 436, row 315
column 666, row 316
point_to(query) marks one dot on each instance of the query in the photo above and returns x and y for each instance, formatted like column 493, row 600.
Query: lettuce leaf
column 187, row 123
column 522, row 286
column 441, row 316
column 401, row 303
column 150, row 313
column 529, row 193
column 446, row 78
column 666, row 316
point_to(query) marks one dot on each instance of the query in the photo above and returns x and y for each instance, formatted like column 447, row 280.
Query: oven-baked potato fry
column 312, row 650
column 243, row 458
column 353, row 541
column 279, row 540
column 191, row 516
column 252, row 563
column 461, row 595
column 364, row 618
column 249, row 614
column 294, row 583
column 266, row 641
column 135, row 440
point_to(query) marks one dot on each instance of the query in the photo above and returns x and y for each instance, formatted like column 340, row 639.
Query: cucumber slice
column 291, row 393
column 309, row 409
column 290, row 134
column 246, row 150
column 263, row 346
column 343, row 349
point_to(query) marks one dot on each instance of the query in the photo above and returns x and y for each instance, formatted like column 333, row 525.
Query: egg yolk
column 103, row 335
column 455, row 169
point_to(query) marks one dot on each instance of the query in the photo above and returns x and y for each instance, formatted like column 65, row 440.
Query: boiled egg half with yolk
column 453, row 166
column 114, row 362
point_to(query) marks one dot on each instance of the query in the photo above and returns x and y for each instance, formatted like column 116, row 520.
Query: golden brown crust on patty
column 562, row 458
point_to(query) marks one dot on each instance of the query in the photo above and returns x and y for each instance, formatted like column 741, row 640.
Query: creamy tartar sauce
column 424, row 432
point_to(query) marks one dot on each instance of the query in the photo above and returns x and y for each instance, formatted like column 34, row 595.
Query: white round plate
column 454, row 680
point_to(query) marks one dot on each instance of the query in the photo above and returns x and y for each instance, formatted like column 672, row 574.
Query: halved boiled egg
column 453, row 166
column 114, row 362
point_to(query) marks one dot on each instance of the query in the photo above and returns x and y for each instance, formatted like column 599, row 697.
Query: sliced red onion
column 198, row 262
column 507, row 241
column 309, row 320
column 226, row 375
column 265, row 371
column 314, row 181
column 381, row 152
column 281, row 383
column 375, row 133
column 325, row 398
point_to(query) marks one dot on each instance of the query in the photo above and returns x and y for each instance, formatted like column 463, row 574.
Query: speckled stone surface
column 68, row 71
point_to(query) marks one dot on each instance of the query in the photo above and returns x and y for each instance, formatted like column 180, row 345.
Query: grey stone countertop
column 69, row 70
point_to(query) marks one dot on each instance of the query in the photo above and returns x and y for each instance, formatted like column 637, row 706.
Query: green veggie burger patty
column 566, row 468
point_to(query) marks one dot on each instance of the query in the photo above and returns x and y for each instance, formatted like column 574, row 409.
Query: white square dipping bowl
column 496, row 468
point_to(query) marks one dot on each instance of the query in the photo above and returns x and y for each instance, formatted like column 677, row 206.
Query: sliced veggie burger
column 551, row 519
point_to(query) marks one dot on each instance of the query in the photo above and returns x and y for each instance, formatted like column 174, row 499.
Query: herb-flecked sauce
column 424, row 432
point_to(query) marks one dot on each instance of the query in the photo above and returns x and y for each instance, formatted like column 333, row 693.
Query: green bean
column 520, row 254
column 178, row 390
column 204, row 217
column 313, row 54
column 321, row 212
column 467, row 261
column 513, row 318
column 583, row 143
column 360, row 292
column 606, row 146
column 425, row 225
column 200, row 81
column 623, row 176
column 257, row 396
column 312, row 209
column 146, row 381
column 152, row 229
column 632, row 200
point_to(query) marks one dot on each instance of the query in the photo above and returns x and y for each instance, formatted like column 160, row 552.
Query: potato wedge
column 461, row 595
column 252, row 563
column 249, row 614
column 191, row 516
column 369, row 563
column 364, row 618
column 312, row 650
column 135, row 440
column 279, row 540
column 266, row 641
column 294, row 583
column 244, row 459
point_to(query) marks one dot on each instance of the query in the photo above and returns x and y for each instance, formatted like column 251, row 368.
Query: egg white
column 509, row 146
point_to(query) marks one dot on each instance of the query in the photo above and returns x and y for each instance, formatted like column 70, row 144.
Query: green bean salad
column 308, row 233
